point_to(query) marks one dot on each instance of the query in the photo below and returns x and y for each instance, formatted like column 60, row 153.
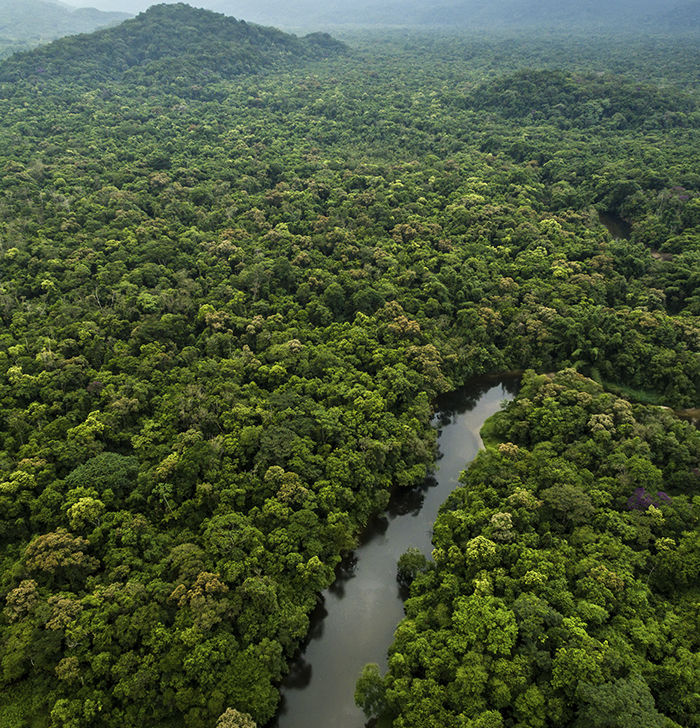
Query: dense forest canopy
column 236, row 269
column 564, row 584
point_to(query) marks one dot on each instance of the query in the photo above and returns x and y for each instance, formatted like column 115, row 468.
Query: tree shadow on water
column 298, row 677
column 410, row 501
column 316, row 623
column 376, row 528
column 343, row 573
column 449, row 405
column 403, row 591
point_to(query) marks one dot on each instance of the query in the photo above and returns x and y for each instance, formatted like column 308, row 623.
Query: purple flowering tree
column 640, row 500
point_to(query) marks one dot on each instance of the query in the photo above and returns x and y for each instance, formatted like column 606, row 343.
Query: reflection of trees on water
column 403, row 591
column 343, row 573
column 298, row 677
column 410, row 501
column 315, row 626
column 448, row 406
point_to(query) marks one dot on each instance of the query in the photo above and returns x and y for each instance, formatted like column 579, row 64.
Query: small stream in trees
column 617, row 227
column 356, row 620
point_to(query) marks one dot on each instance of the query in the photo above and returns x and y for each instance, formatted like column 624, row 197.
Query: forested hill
column 165, row 42
column 581, row 100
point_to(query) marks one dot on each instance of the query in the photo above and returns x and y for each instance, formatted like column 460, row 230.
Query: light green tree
column 233, row 718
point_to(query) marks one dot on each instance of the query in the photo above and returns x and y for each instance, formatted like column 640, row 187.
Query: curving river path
column 356, row 620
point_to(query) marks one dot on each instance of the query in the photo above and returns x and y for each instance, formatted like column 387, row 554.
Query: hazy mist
column 505, row 14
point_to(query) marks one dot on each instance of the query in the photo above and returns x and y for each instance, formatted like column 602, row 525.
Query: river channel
column 617, row 227
column 355, row 622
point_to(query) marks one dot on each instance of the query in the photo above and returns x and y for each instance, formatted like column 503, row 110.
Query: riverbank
column 358, row 615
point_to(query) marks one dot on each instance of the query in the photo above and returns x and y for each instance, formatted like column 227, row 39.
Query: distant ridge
column 168, row 42
column 571, row 16
column 36, row 20
column 685, row 16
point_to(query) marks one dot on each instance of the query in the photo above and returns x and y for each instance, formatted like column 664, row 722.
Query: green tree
column 410, row 564
column 621, row 703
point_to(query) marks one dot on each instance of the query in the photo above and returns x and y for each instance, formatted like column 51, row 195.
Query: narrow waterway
column 617, row 227
column 355, row 623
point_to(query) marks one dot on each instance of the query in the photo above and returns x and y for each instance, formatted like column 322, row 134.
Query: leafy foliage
column 227, row 301
column 562, row 618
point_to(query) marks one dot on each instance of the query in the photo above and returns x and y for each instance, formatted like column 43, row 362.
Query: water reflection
column 403, row 591
column 410, row 502
column 343, row 573
column 450, row 405
column 617, row 227
column 356, row 620
column 299, row 676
